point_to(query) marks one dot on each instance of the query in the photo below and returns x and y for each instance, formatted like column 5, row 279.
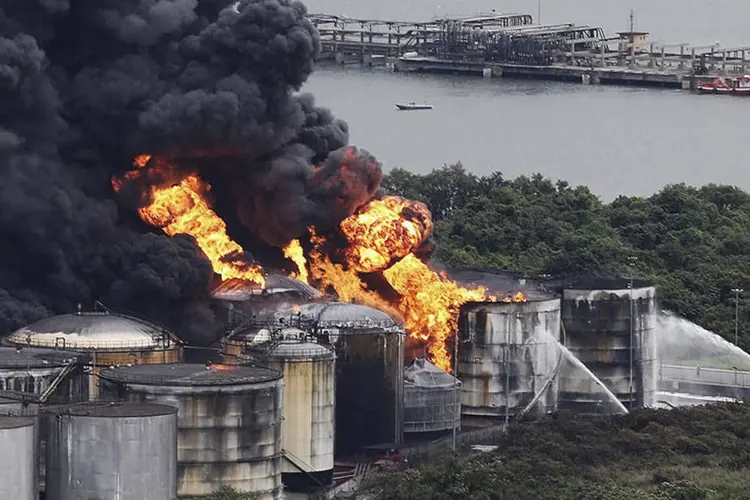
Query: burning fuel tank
column 228, row 423
column 610, row 327
column 507, row 355
column 369, row 347
column 432, row 399
column 239, row 301
column 307, row 429
column 108, row 338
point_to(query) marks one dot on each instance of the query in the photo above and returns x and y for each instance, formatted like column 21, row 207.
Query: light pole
column 737, row 292
column 539, row 12
column 631, row 260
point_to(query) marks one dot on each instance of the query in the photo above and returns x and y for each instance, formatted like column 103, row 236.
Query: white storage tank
column 307, row 428
column 124, row 451
column 18, row 458
column 229, row 422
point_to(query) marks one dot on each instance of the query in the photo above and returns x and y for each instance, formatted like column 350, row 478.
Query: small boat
column 413, row 106
column 731, row 86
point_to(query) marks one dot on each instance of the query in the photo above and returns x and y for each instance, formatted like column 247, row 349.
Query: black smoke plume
column 87, row 85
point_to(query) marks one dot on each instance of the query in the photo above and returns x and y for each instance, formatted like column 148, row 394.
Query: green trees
column 694, row 242
column 694, row 453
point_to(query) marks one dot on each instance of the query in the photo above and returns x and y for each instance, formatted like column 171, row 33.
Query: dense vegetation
column 694, row 242
column 697, row 453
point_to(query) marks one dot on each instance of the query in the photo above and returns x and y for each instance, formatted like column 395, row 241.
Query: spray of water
column 572, row 376
column 682, row 342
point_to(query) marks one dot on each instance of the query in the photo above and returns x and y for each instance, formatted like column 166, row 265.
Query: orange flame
column 220, row 368
column 385, row 230
column 293, row 251
column 182, row 209
column 379, row 234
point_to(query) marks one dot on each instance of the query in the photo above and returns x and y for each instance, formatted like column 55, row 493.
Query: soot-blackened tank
column 229, row 422
column 369, row 347
column 18, row 452
column 432, row 399
column 307, row 429
column 611, row 329
column 110, row 339
column 507, row 355
column 52, row 375
column 237, row 301
column 124, row 451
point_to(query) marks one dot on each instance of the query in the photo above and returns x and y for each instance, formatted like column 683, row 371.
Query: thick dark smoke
column 86, row 85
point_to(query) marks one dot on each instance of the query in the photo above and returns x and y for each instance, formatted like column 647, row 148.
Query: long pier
column 512, row 45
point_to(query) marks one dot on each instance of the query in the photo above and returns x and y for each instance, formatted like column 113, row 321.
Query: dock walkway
column 511, row 45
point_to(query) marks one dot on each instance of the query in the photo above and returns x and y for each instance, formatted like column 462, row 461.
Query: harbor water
column 616, row 140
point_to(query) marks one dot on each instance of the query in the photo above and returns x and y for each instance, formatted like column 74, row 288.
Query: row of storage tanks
column 286, row 400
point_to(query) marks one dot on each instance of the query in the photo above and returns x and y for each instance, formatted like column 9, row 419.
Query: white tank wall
column 124, row 458
column 308, row 426
column 18, row 469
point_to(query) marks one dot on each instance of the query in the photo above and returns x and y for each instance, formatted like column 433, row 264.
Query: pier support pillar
column 487, row 73
column 367, row 59
column 687, row 84
column 340, row 58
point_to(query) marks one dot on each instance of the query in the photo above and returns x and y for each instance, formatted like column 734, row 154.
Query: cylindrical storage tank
column 432, row 399
column 307, row 429
column 237, row 301
column 108, row 338
column 508, row 353
column 57, row 375
column 369, row 348
column 236, row 345
column 611, row 329
column 229, row 422
column 18, row 470
column 126, row 451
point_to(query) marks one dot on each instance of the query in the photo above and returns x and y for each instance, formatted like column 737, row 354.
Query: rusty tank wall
column 18, row 454
column 125, row 451
column 229, row 423
column 597, row 323
column 58, row 375
column 507, row 354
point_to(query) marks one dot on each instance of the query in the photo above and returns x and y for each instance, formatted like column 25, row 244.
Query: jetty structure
column 512, row 45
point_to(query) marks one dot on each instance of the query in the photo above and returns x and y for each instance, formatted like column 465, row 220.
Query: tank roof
column 187, row 375
column 31, row 357
column 288, row 348
column 346, row 316
column 92, row 331
column 595, row 284
column 15, row 422
column 112, row 409
column 421, row 373
column 237, row 290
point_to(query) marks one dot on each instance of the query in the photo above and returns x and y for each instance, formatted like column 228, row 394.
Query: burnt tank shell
column 507, row 354
column 610, row 327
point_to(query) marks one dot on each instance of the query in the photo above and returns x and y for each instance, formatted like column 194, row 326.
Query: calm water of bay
column 616, row 140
